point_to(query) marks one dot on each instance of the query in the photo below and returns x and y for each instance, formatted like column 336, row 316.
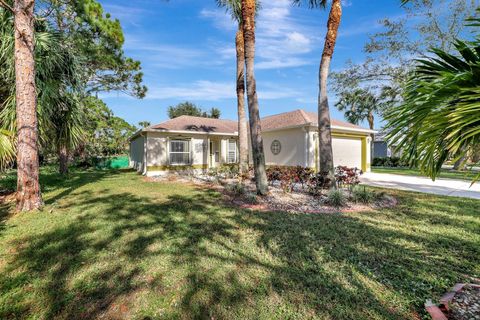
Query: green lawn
column 111, row 245
column 447, row 174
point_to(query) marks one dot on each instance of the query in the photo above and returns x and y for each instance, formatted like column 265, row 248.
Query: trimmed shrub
column 362, row 195
column 236, row 188
column 251, row 198
column 392, row 162
column 336, row 198
column 318, row 182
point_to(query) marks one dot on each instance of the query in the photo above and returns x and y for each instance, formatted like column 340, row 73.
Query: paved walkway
column 448, row 187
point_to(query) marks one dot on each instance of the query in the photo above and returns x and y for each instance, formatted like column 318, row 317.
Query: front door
column 214, row 153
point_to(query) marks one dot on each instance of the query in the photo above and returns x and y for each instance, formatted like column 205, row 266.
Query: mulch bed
column 297, row 201
column 466, row 304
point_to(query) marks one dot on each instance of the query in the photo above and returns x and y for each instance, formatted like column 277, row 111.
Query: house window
column 276, row 147
column 180, row 152
column 232, row 151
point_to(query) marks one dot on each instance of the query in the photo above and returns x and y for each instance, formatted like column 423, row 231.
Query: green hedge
column 392, row 162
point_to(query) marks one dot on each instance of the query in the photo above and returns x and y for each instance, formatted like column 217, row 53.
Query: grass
column 112, row 245
column 445, row 173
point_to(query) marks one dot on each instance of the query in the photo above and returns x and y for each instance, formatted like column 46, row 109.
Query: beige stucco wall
column 137, row 153
column 157, row 149
column 293, row 151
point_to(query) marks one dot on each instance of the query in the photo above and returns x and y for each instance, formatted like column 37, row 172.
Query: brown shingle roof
column 198, row 124
column 278, row 121
column 298, row 118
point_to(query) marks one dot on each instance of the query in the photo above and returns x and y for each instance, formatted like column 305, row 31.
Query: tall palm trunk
column 324, row 124
column 248, row 14
column 28, row 187
column 371, row 123
column 242, row 120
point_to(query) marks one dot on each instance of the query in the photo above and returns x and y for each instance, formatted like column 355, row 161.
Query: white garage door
column 347, row 152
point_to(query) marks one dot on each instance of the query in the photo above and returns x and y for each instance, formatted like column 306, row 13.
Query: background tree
column 248, row 18
column 439, row 117
column 234, row 7
column 144, row 124
column 98, row 39
column 57, row 86
column 78, row 52
column 391, row 53
column 106, row 134
column 324, row 121
column 214, row 113
column 362, row 104
column 190, row 109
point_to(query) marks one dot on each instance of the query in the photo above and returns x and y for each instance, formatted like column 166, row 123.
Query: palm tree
column 439, row 117
column 144, row 124
column 324, row 122
column 56, row 78
column 248, row 19
column 28, row 195
column 359, row 105
column 234, row 7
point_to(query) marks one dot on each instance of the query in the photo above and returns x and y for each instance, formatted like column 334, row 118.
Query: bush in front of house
column 347, row 177
column 361, row 194
column 225, row 171
column 392, row 162
column 290, row 177
column 337, row 198
column 318, row 182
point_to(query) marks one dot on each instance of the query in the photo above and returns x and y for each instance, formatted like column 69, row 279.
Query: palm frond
column 439, row 119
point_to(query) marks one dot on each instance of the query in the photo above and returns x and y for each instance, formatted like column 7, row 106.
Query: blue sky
column 187, row 52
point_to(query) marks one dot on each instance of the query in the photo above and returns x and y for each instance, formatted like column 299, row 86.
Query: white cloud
column 282, row 41
column 220, row 18
column 207, row 90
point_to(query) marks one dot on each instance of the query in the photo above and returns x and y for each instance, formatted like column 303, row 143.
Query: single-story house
column 290, row 139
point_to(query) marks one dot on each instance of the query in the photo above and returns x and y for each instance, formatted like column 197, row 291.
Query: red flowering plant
column 347, row 177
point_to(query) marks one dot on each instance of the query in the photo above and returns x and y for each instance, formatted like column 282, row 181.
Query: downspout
column 145, row 151
column 307, row 146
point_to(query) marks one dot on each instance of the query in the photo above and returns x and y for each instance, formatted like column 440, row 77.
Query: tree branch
column 6, row 6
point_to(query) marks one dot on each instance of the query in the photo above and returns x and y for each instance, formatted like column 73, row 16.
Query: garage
column 347, row 151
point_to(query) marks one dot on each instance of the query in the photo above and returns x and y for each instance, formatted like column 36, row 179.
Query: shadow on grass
column 227, row 263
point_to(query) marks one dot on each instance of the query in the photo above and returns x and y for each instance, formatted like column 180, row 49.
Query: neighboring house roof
column 300, row 118
column 297, row 118
column 380, row 136
column 198, row 124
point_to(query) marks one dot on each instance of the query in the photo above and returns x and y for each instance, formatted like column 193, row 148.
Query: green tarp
column 112, row 163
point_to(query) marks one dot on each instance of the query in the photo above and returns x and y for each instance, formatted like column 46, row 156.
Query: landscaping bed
column 291, row 190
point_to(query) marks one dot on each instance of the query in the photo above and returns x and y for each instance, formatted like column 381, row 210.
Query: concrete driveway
column 446, row 187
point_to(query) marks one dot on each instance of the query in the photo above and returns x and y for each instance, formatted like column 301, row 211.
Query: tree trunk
column 460, row 163
column 242, row 120
column 371, row 124
column 476, row 154
column 248, row 13
column 28, row 186
column 63, row 159
column 324, row 123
